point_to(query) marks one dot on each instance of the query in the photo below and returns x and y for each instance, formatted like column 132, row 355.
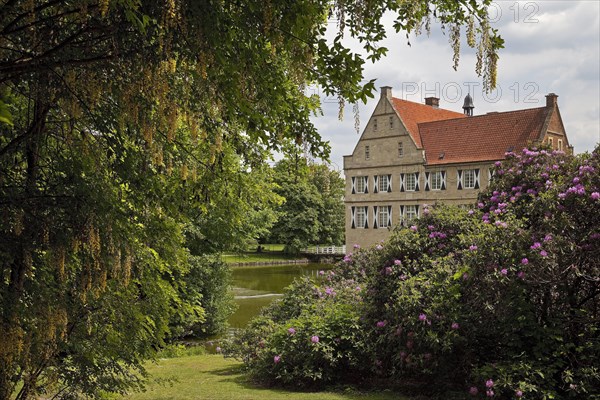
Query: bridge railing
column 333, row 250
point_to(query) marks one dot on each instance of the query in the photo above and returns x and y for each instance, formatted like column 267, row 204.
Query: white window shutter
column 443, row 180
column 353, row 185
column 459, row 182
column 402, row 182
column 375, row 183
column 427, row 181
column 366, row 217
column 389, row 186
column 352, row 219
column 389, row 224
column 417, row 176
column 366, row 178
column 375, row 217
column 477, row 178
column 402, row 215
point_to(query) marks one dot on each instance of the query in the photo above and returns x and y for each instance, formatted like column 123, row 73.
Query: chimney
column 386, row 91
column 433, row 102
column 551, row 100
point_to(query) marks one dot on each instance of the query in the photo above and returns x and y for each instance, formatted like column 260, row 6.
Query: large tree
column 119, row 117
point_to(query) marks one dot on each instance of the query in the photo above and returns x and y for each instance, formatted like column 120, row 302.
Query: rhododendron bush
column 499, row 301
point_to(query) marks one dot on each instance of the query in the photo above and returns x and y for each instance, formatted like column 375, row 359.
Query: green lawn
column 211, row 377
column 270, row 252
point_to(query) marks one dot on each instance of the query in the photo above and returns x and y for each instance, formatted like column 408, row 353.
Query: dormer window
column 374, row 124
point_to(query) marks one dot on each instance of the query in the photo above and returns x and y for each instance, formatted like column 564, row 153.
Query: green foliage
column 308, row 339
column 501, row 301
column 313, row 210
column 209, row 279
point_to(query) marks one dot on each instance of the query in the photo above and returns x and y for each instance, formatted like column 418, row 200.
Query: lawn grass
column 257, row 257
column 269, row 252
column 212, row 377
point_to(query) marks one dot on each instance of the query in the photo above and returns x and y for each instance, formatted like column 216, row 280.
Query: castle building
column 413, row 154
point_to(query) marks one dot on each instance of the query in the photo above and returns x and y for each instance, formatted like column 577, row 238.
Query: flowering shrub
column 502, row 301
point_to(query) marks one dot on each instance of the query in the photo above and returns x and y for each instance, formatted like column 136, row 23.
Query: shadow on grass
column 236, row 375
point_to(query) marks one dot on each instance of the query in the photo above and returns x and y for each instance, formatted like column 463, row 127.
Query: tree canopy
column 124, row 123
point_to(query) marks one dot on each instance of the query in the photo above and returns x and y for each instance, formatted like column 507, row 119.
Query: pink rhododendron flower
column 276, row 359
column 489, row 393
column 473, row 391
column 413, row 228
column 504, row 271
column 595, row 196
column 397, row 262
column 388, row 270
column 379, row 247
column 381, row 324
column 321, row 272
column 472, row 247
column 521, row 275
column 489, row 383
column 422, row 317
column 543, row 253
column 519, row 393
column 524, row 261
column 356, row 246
column 314, row 339
column 291, row 331
column 455, row 325
column 536, row 245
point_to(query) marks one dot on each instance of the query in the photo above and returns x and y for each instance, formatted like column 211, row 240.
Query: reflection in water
column 256, row 287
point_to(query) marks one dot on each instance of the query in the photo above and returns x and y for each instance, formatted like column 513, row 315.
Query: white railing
column 326, row 250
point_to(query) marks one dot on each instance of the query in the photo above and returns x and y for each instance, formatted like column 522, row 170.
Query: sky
column 550, row 46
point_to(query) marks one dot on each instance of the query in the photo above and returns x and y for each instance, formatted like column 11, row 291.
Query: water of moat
column 256, row 287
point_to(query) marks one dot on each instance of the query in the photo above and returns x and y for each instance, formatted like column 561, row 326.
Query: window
column 400, row 149
column 551, row 143
column 367, row 152
column 374, row 124
column 361, row 184
column 466, row 179
column 391, row 122
column 383, row 183
column 411, row 182
column 360, row 217
column 560, row 145
column 382, row 216
column 436, row 180
column 410, row 213
column 469, row 179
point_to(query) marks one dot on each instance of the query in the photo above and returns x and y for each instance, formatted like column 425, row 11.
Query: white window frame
column 382, row 214
column 383, row 183
column 407, row 181
column 361, row 180
column 465, row 181
column 413, row 214
column 432, row 181
column 362, row 212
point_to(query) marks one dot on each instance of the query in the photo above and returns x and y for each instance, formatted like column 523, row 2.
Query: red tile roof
column 413, row 114
column 481, row 138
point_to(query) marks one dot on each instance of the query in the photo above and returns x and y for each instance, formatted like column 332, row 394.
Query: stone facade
column 391, row 173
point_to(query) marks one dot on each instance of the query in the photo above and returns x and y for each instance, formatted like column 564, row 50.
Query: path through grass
column 210, row 377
